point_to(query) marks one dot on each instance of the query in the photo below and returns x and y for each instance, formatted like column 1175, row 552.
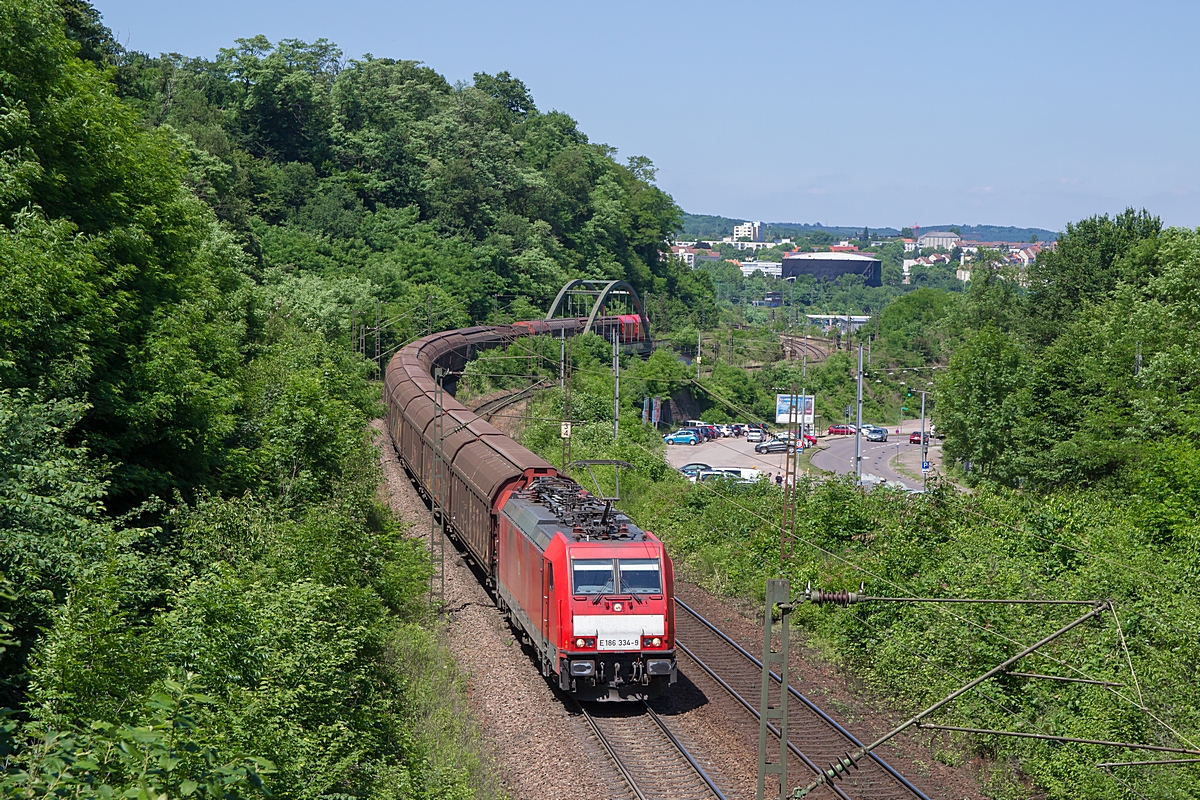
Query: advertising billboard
column 783, row 409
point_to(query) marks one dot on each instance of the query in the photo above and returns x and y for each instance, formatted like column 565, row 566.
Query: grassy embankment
column 992, row 544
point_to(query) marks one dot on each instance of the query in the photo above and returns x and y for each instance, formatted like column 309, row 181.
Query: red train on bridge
column 591, row 590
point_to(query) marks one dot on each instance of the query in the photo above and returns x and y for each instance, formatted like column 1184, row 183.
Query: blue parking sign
column 924, row 466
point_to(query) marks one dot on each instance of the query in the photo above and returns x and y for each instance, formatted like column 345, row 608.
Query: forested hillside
column 383, row 178
column 199, row 593
column 1082, row 373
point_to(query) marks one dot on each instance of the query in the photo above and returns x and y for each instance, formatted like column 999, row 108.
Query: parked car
column 718, row 473
column 773, row 446
column 915, row 437
column 738, row 429
column 682, row 437
column 874, row 433
column 701, row 433
column 841, row 430
column 693, row 468
column 723, row 474
column 754, row 435
column 725, row 430
column 809, row 439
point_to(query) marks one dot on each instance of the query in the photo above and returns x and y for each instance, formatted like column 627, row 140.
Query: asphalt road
column 837, row 455
column 881, row 460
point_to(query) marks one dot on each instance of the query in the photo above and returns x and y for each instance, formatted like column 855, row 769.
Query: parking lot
column 895, row 462
column 728, row 452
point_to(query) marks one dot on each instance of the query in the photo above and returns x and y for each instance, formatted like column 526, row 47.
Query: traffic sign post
column 924, row 466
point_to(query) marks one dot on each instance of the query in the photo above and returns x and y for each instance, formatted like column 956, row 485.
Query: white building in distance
column 946, row 239
column 751, row 230
column 772, row 269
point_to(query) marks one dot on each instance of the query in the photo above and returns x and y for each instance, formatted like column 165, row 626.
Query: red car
column 915, row 437
column 809, row 439
column 841, row 430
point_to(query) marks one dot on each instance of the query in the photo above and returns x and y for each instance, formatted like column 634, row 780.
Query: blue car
column 681, row 437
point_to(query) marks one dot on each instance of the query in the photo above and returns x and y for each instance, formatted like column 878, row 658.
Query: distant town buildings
column 772, row 269
column 943, row 239
column 693, row 255
column 922, row 261
column 830, row 266
column 749, row 230
column 748, row 245
column 844, row 258
column 1018, row 253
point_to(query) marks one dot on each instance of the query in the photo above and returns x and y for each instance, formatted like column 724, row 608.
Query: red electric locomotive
column 590, row 589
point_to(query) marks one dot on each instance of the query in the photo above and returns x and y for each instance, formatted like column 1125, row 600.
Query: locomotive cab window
column 640, row 576
column 592, row 575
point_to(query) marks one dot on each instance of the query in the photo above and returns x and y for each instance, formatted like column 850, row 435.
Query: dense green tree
column 1081, row 268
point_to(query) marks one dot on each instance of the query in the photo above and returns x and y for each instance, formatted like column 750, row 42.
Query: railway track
column 653, row 762
column 815, row 740
column 495, row 405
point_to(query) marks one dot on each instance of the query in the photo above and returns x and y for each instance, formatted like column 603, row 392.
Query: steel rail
column 808, row 703
column 612, row 753
column 757, row 715
column 626, row 774
column 684, row 752
column 486, row 410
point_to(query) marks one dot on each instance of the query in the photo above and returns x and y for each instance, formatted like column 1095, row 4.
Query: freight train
column 591, row 590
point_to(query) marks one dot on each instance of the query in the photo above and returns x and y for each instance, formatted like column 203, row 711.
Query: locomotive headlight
column 579, row 642
column 657, row 642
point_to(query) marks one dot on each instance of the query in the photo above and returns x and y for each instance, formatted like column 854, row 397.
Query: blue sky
column 847, row 113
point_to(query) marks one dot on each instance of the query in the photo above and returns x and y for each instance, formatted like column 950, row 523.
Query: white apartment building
column 751, row 230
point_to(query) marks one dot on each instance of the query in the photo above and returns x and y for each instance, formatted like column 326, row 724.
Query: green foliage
column 272, row 608
column 328, row 165
column 1089, row 399
column 992, row 544
column 164, row 755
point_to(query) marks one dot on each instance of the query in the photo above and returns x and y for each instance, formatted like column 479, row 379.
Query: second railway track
column 651, row 759
column 815, row 739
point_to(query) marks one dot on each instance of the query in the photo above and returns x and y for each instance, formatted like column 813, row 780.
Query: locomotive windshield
column 640, row 576
column 592, row 576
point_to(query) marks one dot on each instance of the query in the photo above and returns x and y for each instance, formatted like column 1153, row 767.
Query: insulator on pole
column 837, row 598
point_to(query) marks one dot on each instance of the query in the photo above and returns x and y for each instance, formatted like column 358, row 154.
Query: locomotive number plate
column 618, row 643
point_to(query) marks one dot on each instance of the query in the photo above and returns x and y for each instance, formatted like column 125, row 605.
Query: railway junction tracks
column 650, row 758
column 815, row 740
